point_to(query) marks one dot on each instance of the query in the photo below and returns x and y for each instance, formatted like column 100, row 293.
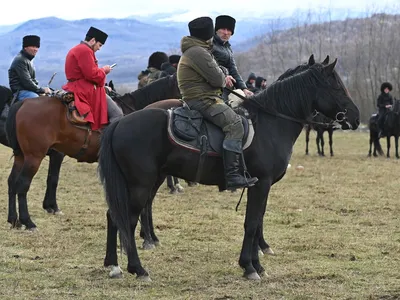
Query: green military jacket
column 199, row 76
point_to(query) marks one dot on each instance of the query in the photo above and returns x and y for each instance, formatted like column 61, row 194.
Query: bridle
column 340, row 116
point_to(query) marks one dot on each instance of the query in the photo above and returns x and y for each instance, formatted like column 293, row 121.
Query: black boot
column 231, row 159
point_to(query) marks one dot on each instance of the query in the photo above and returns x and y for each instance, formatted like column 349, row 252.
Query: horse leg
column 256, row 204
column 396, row 144
column 371, row 140
column 148, row 242
column 262, row 244
column 307, row 138
column 177, row 185
column 147, row 228
column 12, row 191
column 170, row 184
column 317, row 141
column 322, row 143
column 330, row 132
column 388, row 146
column 50, row 199
column 111, row 259
column 23, row 183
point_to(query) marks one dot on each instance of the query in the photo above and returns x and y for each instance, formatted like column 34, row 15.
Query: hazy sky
column 79, row 9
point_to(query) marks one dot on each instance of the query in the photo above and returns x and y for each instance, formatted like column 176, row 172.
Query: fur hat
column 225, row 21
column 386, row 85
column 174, row 58
column 156, row 59
column 97, row 34
column 31, row 40
column 202, row 28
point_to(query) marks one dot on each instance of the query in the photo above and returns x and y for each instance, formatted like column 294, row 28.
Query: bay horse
column 134, row 158
column 391, row 128
column 55, row 158
column 34, row 126
column 320, row 124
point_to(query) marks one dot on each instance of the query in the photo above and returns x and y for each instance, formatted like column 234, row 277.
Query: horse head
column 333, row 98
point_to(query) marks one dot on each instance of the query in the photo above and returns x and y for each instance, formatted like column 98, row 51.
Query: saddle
column 67, row 98
column 188, row 129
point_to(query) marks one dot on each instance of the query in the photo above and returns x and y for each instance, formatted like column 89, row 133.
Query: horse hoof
column 49, row 210
column 173, row 192
column 268, row 251
column 157, row 243
column 115, row 272
column 252, row 276
column 260, row 252
column 148, row 246
column 145, row 278
column 33, row 229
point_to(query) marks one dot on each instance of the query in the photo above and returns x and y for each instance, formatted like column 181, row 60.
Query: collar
column 27, row 55
column 218, row 40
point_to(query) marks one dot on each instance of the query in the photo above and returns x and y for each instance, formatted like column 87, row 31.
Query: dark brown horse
column 36, row 125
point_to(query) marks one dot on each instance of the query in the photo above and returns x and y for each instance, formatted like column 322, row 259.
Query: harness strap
column 202, row 158
column 85, row 145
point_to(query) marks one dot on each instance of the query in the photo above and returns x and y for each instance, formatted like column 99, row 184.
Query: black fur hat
column 156, row 59
column 174, row 58
column 202, row 28
column 225, row 21
column 99, row 35
column 386, row 85
column 31, row 40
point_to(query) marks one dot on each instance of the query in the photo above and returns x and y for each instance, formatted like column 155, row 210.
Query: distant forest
column 368, row 52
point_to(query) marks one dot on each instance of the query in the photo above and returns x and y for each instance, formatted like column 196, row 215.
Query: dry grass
column 334, row 227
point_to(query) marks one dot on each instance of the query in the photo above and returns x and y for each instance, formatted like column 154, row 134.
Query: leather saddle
column 73, row 115
column 188, row 129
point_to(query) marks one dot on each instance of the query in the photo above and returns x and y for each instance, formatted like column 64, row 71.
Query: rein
column 339, row 116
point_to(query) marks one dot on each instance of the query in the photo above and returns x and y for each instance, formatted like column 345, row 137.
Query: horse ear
column 111, row 85
column 311, row 60
column 326, row 60
column 329, row 68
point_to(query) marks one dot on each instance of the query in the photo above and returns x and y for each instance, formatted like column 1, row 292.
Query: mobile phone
column 113, row 65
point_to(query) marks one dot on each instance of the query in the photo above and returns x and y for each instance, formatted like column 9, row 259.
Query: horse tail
column 115, row 187
column 11, row 126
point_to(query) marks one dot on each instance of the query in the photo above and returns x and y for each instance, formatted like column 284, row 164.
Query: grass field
column 334, row 227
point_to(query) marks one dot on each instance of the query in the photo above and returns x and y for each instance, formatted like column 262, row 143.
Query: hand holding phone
column 113, row 65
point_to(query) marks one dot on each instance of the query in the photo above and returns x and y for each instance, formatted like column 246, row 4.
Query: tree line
column 367, row 48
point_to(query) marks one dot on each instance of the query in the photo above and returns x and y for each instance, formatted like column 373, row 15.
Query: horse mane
column 162, row 88
column 284, row 95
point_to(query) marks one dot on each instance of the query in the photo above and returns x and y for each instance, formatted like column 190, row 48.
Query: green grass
column 334, row 227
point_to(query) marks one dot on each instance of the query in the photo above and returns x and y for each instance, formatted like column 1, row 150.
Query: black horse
column 134, row 158
column 320, row 124
column 391, row 128
column 55, row 158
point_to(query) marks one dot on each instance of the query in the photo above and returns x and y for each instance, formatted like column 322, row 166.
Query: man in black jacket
column 223, row 54
column 21, row 74
column 384, row 103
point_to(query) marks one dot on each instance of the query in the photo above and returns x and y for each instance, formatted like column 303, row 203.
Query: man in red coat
column 86, row 80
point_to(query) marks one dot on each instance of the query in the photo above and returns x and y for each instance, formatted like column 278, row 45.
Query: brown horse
column 33, row 127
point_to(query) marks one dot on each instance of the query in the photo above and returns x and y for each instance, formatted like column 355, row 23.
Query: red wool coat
column 86, row 80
